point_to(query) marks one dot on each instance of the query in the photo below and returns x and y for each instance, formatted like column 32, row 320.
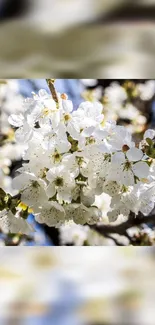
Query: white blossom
column 146, row 90
column 10, row 223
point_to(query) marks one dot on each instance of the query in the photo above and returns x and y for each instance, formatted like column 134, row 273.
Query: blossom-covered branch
column 79, row 169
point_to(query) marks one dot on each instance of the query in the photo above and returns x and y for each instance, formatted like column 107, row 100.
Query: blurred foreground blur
column 75, row 286
column 78, row 38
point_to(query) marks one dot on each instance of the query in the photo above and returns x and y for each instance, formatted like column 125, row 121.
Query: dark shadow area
column 11, row 9
column 53, row 234
column 129, row 12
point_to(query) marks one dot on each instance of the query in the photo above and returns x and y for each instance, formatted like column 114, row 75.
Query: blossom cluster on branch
column 78, row 168
column 10, row 100
column 12, row 215
column 123, row 102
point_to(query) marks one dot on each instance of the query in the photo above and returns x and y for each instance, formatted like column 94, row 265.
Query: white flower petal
column 50, row 104
column 51, row 190
column 51, row 214
column 149, row 134
column 127, row 178
column 118, row 158
column 134, row 154
column 67, row 105
column 141, row 169
column 87, row 132
column 24, row 134
column 12, row 224
column 16, row 120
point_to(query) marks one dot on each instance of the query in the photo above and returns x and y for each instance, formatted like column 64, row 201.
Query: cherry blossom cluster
column 10, row 100
column 10, row 150
column 121, row 102
column 72, row 159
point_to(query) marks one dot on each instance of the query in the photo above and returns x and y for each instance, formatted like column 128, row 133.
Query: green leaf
column 149, row 141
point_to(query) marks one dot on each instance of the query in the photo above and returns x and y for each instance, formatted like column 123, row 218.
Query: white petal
column 89, row 82
column 134, row 154
column 147, row 207
column 64, row 194
column 50, row 104
column 11, row 224
column 118, row 158
column 51, row 175
column 16, row 120
column 43, row 93
column 127, row 178
column 24, row 134
column 50, row 191
column 87, row 132
column 94, row 215
column 149, row 134
column 63, row 146
column 51, row 214
column 22, row 181
column 141, row 169
column 67, row 105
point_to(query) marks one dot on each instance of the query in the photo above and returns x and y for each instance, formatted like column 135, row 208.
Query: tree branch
column 121, row 229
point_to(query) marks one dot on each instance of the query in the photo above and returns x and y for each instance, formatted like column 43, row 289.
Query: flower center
column 67, row 117
column 56, row 157
column 59, row 181
column 90, row 140
column 35, row 184
column 46, row 111
column 42, row 172
column 127, row 165
column 125, row 148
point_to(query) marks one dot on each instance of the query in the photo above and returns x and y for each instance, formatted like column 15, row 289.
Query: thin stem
column 51, row 86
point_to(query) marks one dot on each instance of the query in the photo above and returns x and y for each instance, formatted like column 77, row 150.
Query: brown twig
column 121, row 229
column 51, row 86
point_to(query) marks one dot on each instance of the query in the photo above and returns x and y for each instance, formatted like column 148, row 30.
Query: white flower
column 32, row 189
column 146, row 90
column 51, row 213
column 61, row 183
column 129, row 112
column 49, row 113
column 85, row 119
column 116, row 94
column 25, row 127
column 120, row 212
column 13, row 224
column 119, row 137
column 102, row 202
column 125, row 167
column 56, row 141
column 89, row 82
column 82, row 214
column 146, row 197
column 73, row 233
column 149, row 134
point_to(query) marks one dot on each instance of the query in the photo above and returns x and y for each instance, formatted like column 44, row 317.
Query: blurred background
column 77, row 38
column 77, row 286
